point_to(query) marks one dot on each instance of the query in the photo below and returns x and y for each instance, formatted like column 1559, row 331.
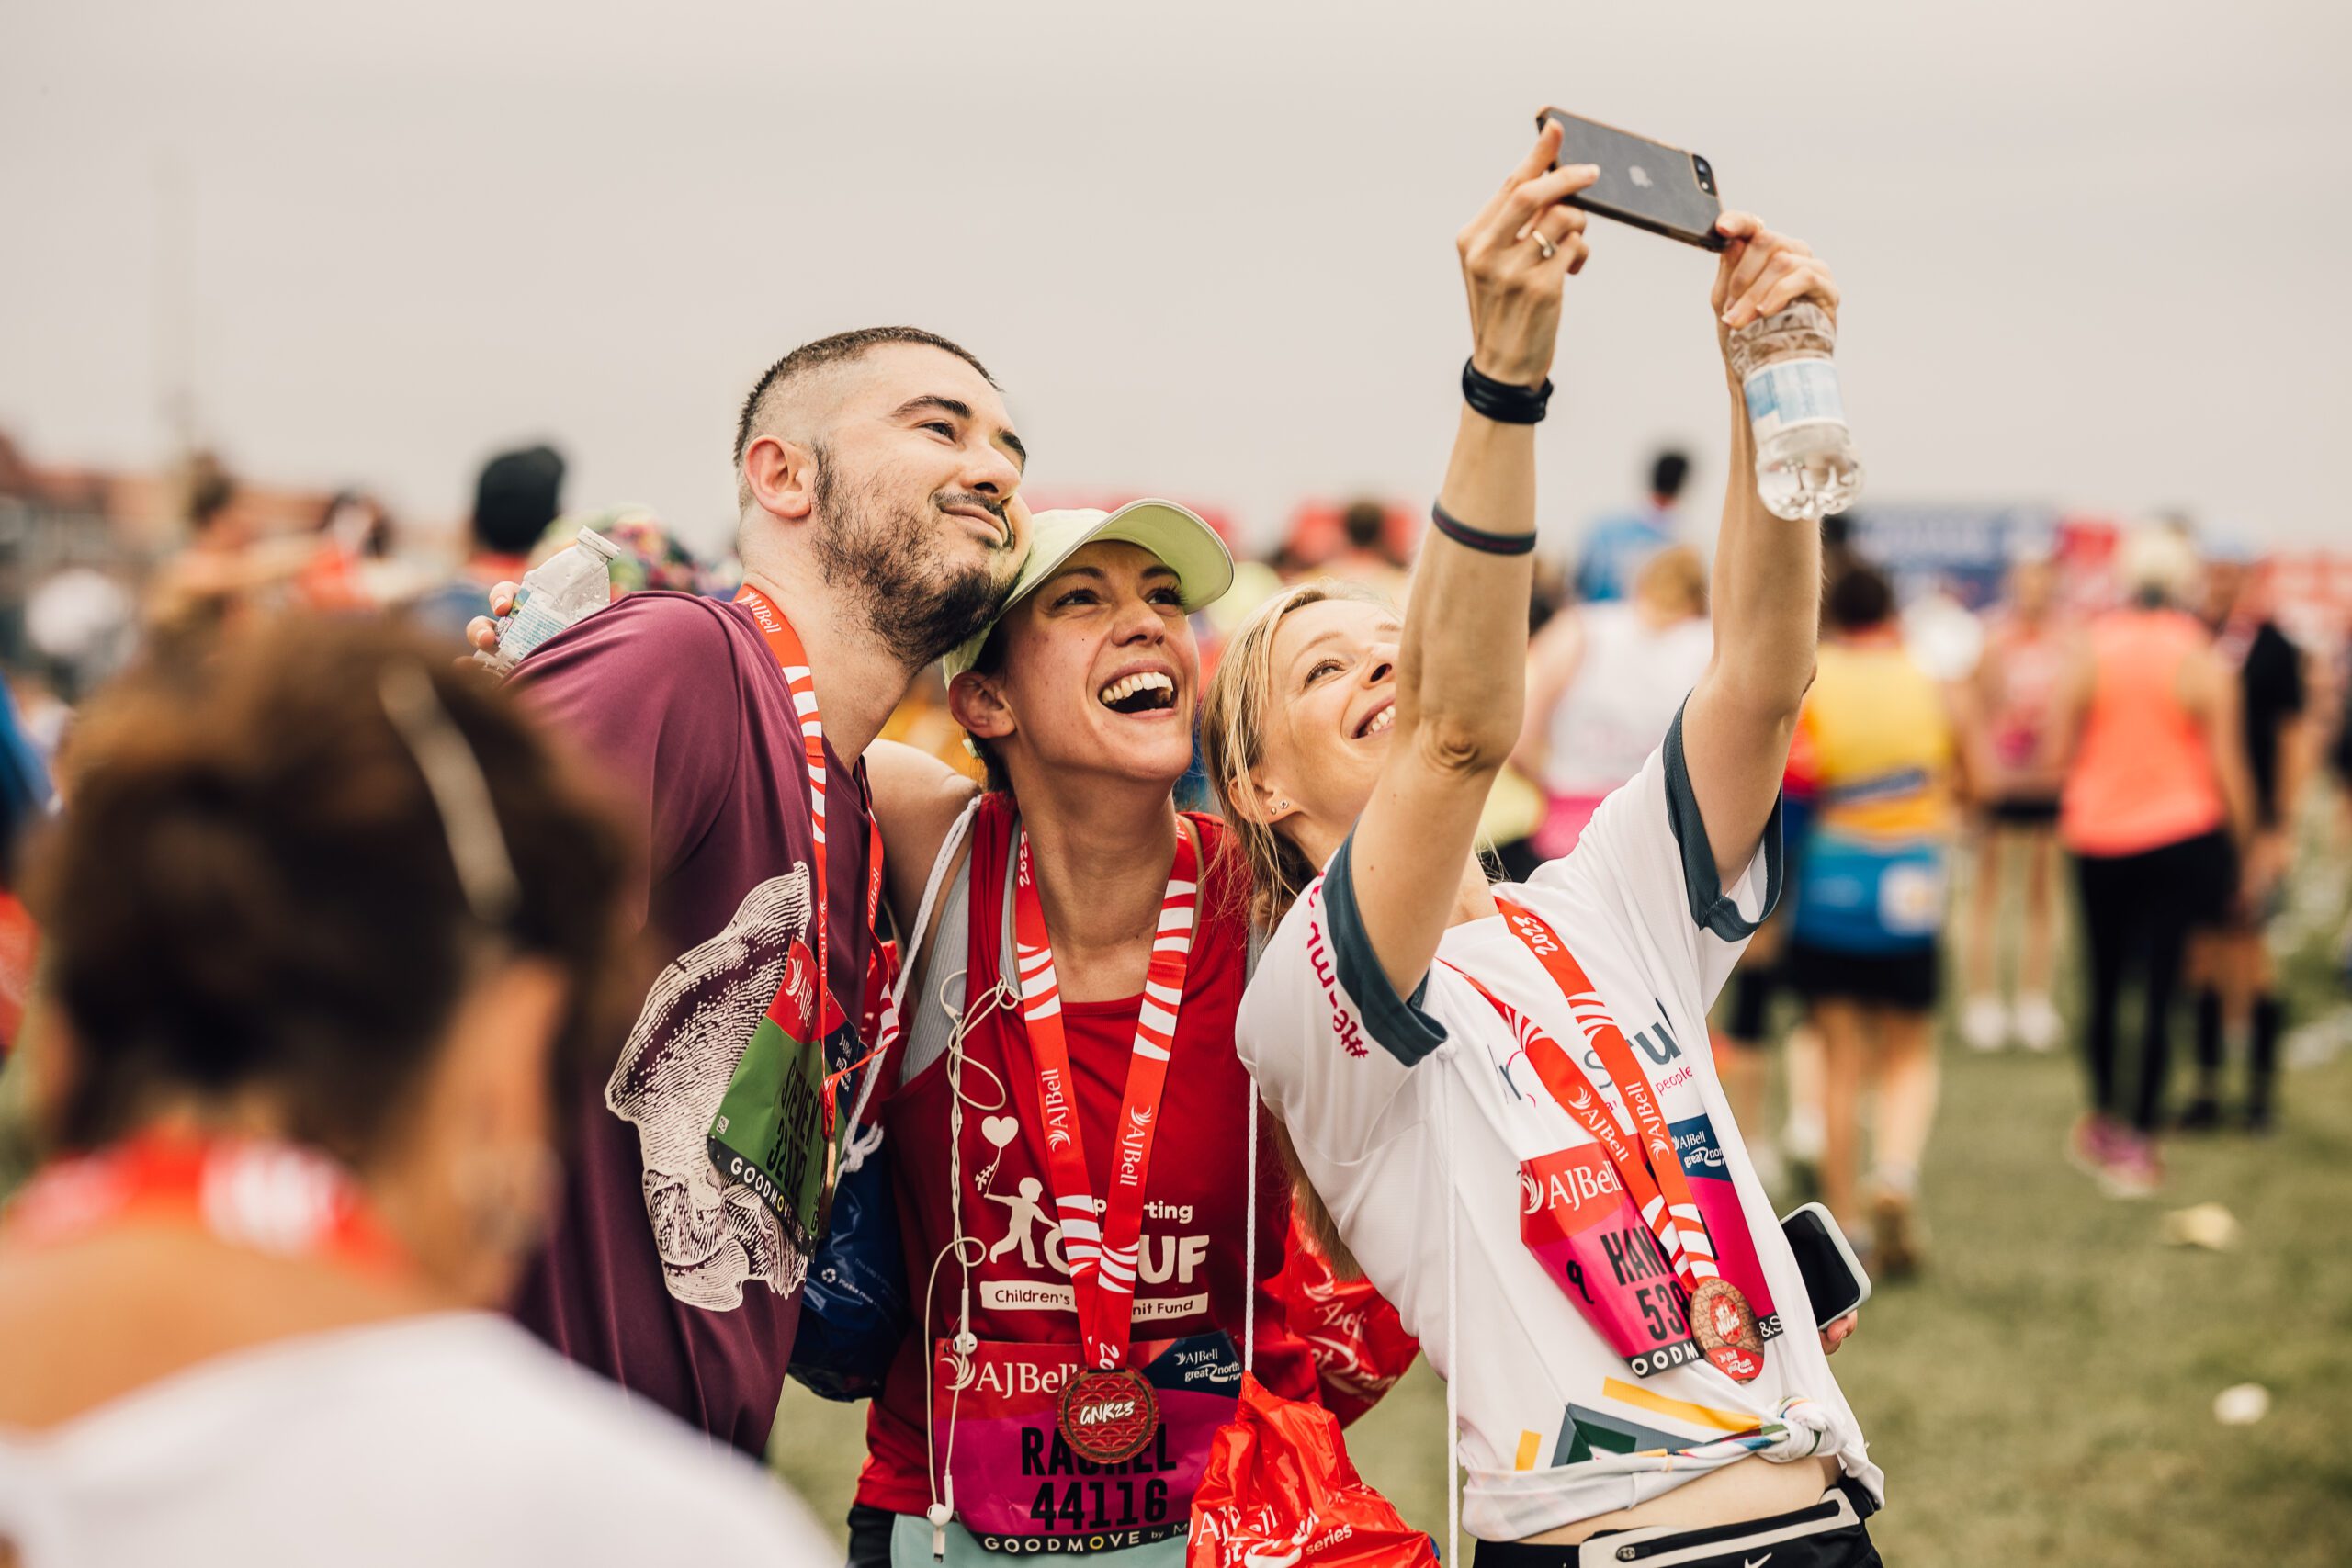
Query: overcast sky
column 2092, row 254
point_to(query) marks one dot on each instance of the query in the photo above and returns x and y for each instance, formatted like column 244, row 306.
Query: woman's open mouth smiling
column 1147, row 691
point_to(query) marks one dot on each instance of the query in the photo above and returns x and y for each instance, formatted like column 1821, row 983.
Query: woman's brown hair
column 256, row 892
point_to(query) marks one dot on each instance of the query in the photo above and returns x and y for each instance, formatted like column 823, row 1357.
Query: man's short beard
column 919, row 605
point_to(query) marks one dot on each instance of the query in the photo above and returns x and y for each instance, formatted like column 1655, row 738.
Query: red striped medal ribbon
column 777, row 1129
column 1100, row 1236
column 1648, row 1163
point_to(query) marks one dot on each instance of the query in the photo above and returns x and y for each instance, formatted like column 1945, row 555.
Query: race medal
column 1726, row 1328
column 1107, row 1417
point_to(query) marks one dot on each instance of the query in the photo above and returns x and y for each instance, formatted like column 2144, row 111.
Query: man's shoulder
column 657, row 624
column 647, row 648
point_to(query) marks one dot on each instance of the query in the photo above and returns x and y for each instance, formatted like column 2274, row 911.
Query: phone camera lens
column 1706, row 174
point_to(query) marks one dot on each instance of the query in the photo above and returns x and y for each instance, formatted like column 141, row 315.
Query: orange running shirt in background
column 2143, row 775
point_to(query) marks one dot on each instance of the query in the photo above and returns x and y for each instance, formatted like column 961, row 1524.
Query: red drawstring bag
column 1281, row 1493
column 1360, row 1346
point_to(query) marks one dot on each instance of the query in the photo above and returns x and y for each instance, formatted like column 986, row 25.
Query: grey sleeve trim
column 1711, row 908
column 1404, row 1030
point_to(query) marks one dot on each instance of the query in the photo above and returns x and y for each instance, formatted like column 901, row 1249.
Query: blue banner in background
column 1963, row 548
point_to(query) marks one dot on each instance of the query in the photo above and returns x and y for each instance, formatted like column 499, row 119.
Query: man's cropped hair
column 835, row 350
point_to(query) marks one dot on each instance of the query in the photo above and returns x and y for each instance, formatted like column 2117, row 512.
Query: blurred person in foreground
column 2229, row 962
column 1603, row 682
column 2155, row 801
column 1624, row 1361
column 333, row 938
column 1878, row 742
column 516, row 496
column 2027, row 643
column 875, row 475
column 1616, row 546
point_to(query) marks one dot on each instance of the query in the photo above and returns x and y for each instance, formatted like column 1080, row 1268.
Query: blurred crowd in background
column 1974, row 700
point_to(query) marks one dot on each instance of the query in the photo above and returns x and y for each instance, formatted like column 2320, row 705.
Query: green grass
column 2043, row 1394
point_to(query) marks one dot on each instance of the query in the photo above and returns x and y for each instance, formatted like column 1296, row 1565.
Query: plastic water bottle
column 1805, row 465
column 561, row 591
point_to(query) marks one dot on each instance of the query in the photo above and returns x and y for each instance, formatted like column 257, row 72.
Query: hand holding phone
column 1833, row 1276
column 1646, row 184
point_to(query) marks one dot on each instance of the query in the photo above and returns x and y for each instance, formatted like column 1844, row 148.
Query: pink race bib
column 1019, row 1487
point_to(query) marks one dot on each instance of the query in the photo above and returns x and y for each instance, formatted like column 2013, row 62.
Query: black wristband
column 1501, row 401
column 1471, row 538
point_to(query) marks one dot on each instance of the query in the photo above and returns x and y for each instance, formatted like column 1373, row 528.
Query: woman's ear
column 1266, row 799
column 976, row 704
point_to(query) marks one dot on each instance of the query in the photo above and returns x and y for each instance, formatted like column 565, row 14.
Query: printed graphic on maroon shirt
column 714, row 1234
column 1190, row 1272
column 660, row 1273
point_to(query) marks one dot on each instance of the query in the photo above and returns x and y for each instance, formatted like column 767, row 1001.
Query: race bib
column 769, row 1133
column 1576, row 1220
column 997, row 1415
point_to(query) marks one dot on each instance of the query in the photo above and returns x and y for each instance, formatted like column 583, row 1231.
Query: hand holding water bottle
column 1776, row 308
column 559, row 593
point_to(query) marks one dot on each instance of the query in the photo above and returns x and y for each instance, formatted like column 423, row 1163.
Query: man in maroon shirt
column 877, row 474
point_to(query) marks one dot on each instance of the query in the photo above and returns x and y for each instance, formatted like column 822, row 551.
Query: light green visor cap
column 1185, row 544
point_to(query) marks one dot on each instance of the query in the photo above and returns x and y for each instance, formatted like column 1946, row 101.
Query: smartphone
column 1833, row 1277
column 1644, row 182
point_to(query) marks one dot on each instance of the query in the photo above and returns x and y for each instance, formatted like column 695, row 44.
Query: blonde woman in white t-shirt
column 1618, row 1315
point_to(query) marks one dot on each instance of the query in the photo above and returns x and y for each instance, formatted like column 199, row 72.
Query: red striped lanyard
column 1100, row 1239
column 791, row 658
column 1649, row 1166
column 252, row 1193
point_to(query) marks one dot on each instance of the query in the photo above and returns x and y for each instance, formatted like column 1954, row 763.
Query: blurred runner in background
column 1603, row 682
column 2237, row 990
column 1616, row 546
column 335, row 937
column 516, row 495
column 1878, row 736
column 2026, row 645
column 2148, row 726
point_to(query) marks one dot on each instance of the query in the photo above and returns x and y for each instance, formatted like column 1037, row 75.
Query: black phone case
column 1646, row 184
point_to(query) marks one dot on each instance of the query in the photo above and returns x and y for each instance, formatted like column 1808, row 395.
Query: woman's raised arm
column 1461, row 660
column 1767, row 593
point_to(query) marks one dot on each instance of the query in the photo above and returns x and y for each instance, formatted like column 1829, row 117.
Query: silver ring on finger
column 1546, row 246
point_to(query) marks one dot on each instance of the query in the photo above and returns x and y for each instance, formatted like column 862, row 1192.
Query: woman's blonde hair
column 1234, row 714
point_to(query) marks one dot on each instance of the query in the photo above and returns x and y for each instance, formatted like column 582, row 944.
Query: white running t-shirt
column 1557, row 1424
column 455, row 1439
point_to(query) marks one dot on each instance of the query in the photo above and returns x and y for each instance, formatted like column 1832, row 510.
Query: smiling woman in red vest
column 1070, row 1127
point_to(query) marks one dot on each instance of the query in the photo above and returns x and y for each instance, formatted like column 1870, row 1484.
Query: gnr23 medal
column 1107, row 1416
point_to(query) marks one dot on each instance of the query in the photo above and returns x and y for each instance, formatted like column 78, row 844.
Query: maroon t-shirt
column 660, row 1274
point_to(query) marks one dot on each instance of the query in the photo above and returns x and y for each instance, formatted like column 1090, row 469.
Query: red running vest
column 1194, row 1197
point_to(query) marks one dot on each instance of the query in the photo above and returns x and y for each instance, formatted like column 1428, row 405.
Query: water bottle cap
column 598, row 543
